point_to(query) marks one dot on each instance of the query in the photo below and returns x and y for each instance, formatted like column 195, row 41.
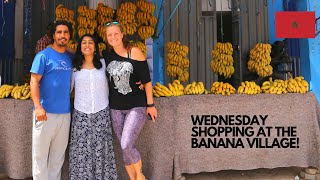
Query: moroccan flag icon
column 295, row 24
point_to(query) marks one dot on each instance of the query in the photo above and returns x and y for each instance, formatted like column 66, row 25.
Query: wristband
column 150, row 105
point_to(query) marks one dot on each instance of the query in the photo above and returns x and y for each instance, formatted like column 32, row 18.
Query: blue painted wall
column 314, row 52
column 273, row 7
column 309, row 49
column 7, row 30
column 158, row 49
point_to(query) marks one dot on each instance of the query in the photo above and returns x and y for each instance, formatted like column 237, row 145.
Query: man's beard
column 62, row 45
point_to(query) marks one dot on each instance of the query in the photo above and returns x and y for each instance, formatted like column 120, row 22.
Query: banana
column 249, row 88
column 222, row 62
column 259, row 60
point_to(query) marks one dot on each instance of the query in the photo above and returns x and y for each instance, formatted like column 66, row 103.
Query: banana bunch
column 176, row 88
column 177, row 61
column 105, row 14
column 160, row 90
column 72, row 44
column 21, row 92
column 222, row 62
column 146, row 21
column 63, row 13
column 140, row 45
column 145, row 32
column 87, row 22
column 222, row 88
column 195, row 88
column 275, row 87
column 298, row 85
column 144, row 6
column 126, row 16
column 5, row 90
column 260, row 59
column 102, row 46
column 249, row 88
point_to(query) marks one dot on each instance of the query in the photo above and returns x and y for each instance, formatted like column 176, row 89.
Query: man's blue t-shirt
column 55, row 69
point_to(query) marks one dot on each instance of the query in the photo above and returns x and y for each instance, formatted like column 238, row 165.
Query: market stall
column 166, row 145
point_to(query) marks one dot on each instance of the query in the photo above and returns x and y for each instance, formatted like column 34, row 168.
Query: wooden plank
column 183, row 24
column 193, row 36
column 210, row 39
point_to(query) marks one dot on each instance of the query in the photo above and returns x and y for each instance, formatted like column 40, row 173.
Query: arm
column 35, row 94
column 150, row 110
column 137, row 54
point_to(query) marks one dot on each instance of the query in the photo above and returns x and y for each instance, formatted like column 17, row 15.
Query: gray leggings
column 127, row 125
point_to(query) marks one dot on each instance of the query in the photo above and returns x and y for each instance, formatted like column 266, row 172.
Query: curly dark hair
column 57, row 23
column 125, row 39
column 79, row 58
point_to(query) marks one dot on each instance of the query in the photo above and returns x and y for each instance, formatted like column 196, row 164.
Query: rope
column 175, row 9
column 221, row 27
column 4, row 21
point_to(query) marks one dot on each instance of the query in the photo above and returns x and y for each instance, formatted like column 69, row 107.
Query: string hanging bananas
column 249, row 88
column 104, row 15
column 87, row 22
column 296, row 85
column 126, row 16
column 16, row 92
column 63, row 13
column 140, row 45
column 260, row 59
column 146, row 21
column 222, row 88
column 222, row 62
column 177, row 61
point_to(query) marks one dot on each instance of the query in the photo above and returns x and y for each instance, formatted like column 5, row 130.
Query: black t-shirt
column 123, row 73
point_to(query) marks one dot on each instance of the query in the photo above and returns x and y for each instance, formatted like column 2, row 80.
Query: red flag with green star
column 295, row 24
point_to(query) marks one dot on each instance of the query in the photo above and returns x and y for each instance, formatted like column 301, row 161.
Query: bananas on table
column 140, row 45
column 195, row 88
column 87, row 22
column 222, row 62
column 105, row 14
column 296, row 85
column 126, row 16
column 17, row 92
column 176, row 88
column 249, row 88
column 63, row 13
column 222, row 88
column 260, row 59
column 177, row 61
column 146, row 21
column 160, row 90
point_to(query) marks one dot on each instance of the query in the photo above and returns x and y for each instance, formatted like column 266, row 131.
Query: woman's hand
column 141, row 85
column 152, row 111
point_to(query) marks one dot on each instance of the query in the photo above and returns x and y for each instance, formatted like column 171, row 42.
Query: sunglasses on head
column 112, row 22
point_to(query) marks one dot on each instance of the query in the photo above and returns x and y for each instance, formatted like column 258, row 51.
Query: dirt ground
column 257, row 174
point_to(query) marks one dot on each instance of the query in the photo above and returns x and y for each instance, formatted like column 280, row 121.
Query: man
column 46, row 40
column 50, row 89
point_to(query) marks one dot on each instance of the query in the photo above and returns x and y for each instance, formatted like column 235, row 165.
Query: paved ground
column 257, row 174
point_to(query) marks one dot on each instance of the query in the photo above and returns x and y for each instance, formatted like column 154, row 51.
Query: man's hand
column 41, row 114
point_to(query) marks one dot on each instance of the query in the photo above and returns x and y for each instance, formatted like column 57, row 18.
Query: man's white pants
column 49, row 143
